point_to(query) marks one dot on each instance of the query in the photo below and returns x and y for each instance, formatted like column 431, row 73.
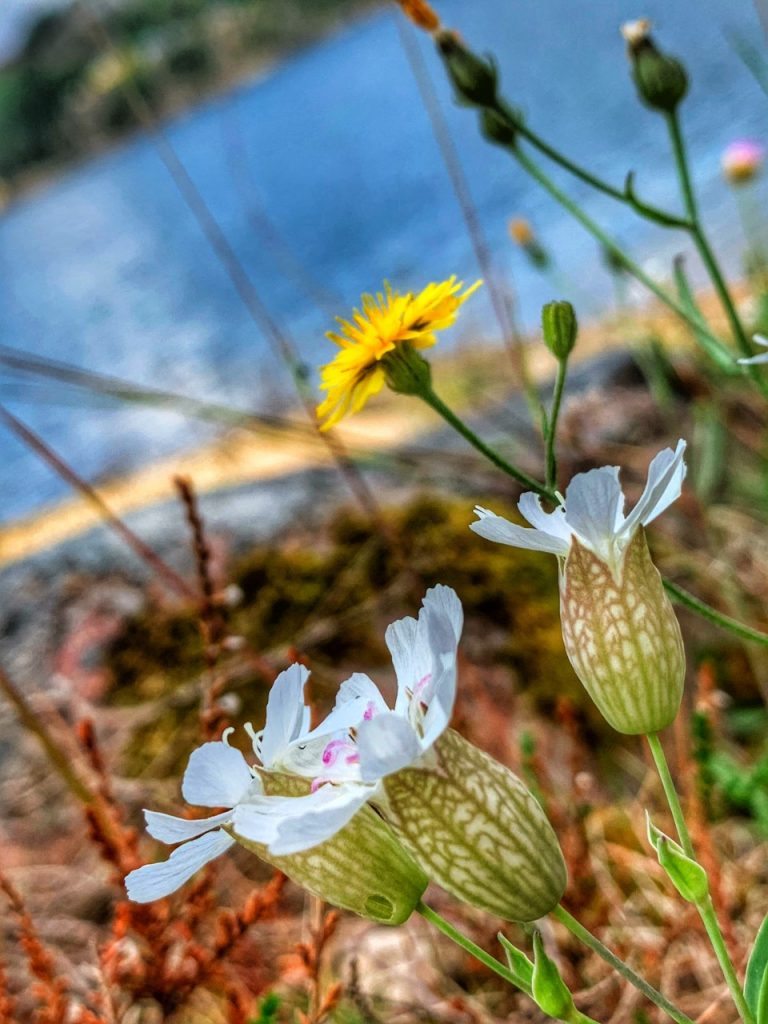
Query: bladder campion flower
column 468, row 821
column 742, row 161
column 362, row 867
column 620, row 631
column 369, row 343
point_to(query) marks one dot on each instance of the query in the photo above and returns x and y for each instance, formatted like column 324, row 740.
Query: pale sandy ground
column 243, row 456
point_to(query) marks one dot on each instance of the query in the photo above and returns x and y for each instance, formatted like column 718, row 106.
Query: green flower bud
column 477, row 831
column 622, row 636
column 474, row 79
column 558, row 322
column 687, row 876
column 549, row 991
column 406, row 371
column 661, row 80
column 363, row 868
column 497, row 126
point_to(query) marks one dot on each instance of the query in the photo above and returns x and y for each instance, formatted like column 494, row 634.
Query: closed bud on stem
column 559, row 325
column 549, row 991
column 497, row 126
column 474, row 79
column 687, row 876
column 363, row 868
column 406, row 372
column 421, row 14
column 477, row 831
column 661, row 80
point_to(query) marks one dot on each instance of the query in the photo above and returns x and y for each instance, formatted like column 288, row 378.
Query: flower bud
column 742, row 161
column 550, row 993
column 406, row 371
column 477, row 831
column 558, row 322
column 622, row 636
column 363, row 868
column 498, row 127
column 421, row 14
column 661, row 80
column 474, row 79
column 687, row 876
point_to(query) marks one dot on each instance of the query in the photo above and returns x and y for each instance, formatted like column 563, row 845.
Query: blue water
column 106, row 268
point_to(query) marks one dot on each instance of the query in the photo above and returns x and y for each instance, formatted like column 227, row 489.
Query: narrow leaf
column 519, row 964
column 756, row 984
column 715, row 350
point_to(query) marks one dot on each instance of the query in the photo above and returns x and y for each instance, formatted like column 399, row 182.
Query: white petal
column 320, row 822
column 754, row 360
column 665, row 480
column 494, row 527
column 285, row 713
column 386, row 744
column 154, row 881
column 760, row 339
column 168, row 829
column 290, row 824
column 594, row 506
column 359, row 686
column 217, row 776
column 552, row 523
column 442, row 603
column 411, row 656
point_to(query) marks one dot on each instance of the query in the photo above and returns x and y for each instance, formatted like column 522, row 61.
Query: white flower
column 363, row 741
column 620, row 631
column 762, row 357
column 592, row 512
column 219, row 776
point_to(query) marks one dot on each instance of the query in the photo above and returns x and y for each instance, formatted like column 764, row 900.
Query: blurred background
column 301, row 125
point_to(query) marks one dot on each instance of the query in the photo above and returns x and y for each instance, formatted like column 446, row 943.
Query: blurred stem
column 705, row 908
column 706, row 611
column 696, row 232
column 597, row 232
column 433, row 400
column 551, row 435
column 592, row 942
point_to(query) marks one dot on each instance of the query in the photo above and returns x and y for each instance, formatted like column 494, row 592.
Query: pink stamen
column 421, row 684
column 316, row 784
column 352, row 759
column 370, row 711
column 332, row 751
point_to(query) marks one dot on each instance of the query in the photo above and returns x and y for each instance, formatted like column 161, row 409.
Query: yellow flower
column 386, row 320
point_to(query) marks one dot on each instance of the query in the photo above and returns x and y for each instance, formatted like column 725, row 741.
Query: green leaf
column 519, row 964
column 714, row 349
column 756, row 983
column 687, row 876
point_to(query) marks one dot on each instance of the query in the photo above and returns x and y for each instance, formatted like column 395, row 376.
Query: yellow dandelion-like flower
column 385, row 321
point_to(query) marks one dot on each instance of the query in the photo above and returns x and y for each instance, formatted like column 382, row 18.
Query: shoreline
column 240, row 456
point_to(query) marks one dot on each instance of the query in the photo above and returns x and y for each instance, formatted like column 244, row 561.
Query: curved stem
column 489, row 961
column 700, row 240
column 584, row 935
column 551, row 432
column 597, row 232
column 646, row 210
column 695, row 604
column 468, row 434
column 705, row 907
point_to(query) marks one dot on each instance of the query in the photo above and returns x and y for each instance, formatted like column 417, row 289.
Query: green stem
column 700, row 240
column 593, row 943
column 597, row 232
column 624, row 195
column 433, row 400
column 706, row 611
column 490, row 962
column 551, row 434
column 705, row 908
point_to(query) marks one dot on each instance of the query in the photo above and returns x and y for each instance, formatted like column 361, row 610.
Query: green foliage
column 756, row 981
column 726, row 784
column 269, row 1009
